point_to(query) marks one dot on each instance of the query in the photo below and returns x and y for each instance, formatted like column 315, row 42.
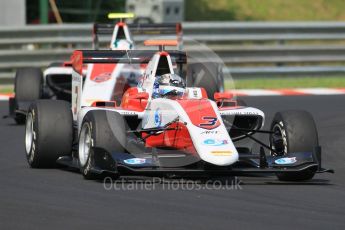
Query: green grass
column 265, row 10
column 6, row 89
column 289, row 82
column 269, row 83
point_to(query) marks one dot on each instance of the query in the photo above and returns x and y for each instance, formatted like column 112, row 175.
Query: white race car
column 161, row 127
column 113, row 80
column 55, row 82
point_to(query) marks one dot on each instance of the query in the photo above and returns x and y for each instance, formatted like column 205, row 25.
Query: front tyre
column 48, row 132
column 294, row 131
column 101, row 129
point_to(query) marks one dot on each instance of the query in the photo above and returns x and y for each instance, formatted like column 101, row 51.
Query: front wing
column 124, row 164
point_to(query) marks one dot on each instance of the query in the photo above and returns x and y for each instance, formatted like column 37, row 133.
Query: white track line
column 4, row 97
column 322, row 91
column 288, row 92
column 256, row 92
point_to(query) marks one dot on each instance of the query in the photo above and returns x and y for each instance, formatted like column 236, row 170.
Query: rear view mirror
column 223, row 96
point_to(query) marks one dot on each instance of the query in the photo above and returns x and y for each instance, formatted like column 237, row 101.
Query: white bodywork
column 221, row 154
column 171, row 109
column 102, row 91
column 121, row 44
column 57, row 70
column 212, row 145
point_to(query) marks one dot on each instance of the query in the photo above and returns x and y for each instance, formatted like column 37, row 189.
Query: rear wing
column 140, row 29
column 80, row 57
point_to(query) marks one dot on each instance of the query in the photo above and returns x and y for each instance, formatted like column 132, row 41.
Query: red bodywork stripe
column 178, row 138
column 77, row 61
column 200, row 112
column 130, row 102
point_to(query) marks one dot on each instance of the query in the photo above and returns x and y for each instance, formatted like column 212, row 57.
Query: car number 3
column 209, row 121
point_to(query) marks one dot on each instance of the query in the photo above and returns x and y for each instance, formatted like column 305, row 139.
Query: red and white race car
column 161, row 127
column 113, row 79
column 55, row 82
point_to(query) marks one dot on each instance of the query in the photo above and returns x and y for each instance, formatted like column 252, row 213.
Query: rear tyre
column 102, row 129
column 48, row 132
column 294, row 131
column 28, row 86
column 207, row 75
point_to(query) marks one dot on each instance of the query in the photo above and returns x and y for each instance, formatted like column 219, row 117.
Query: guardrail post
column 44, row 11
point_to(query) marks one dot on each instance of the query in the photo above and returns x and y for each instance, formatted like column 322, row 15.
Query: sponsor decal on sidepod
column 214, row 142
column 102, row 77
column 221, row 153
column 135, row 161
column 158, row 118
column 285, row 161
column 209, row 132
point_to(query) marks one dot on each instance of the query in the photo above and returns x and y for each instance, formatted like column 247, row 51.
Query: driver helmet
column 168, row 85
column 122, row 44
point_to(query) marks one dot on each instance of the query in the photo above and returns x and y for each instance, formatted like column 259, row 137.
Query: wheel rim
column 85, row 143
column 278, row 140
column 29, row 133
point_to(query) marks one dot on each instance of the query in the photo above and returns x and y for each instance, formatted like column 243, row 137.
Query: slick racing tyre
column 28, row 85
column 101, row 129
column 293, row 131
column 48, row 132
column 207, row 75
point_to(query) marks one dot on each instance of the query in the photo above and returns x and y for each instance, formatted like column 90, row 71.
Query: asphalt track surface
column 59, row 199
